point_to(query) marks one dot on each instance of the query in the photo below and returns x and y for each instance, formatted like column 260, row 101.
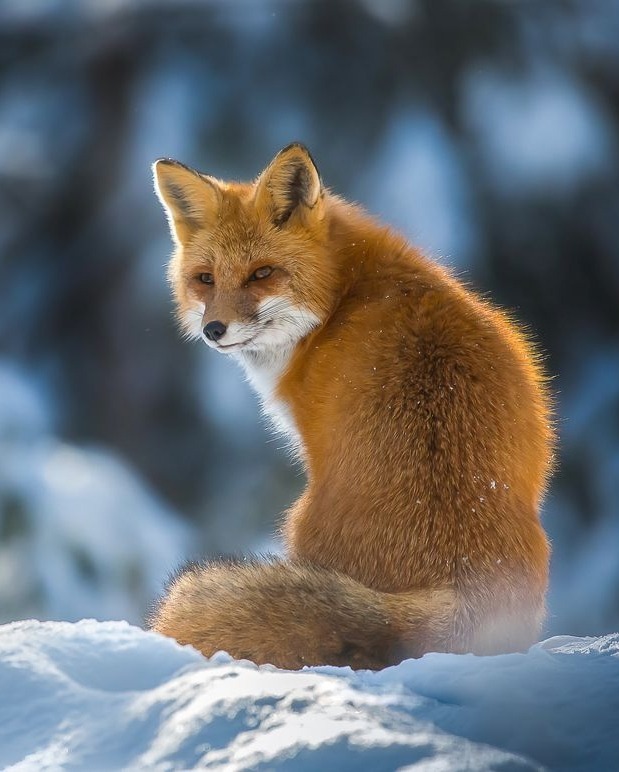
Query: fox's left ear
column 191, row 200
column 290, row 184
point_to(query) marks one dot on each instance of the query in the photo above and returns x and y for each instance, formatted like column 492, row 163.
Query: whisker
column 270, row 307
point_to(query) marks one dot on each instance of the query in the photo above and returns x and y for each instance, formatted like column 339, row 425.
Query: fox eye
column 261, row 273
column 205, row 278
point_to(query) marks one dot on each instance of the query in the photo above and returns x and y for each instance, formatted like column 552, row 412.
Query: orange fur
column 420, row 412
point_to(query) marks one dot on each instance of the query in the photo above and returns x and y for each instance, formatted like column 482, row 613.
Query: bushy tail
column 292, row 614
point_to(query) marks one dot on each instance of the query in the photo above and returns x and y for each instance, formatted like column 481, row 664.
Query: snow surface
column 95, row 695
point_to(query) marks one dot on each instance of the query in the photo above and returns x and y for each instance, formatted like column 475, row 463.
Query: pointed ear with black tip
column 290, row 183
column 191, row 200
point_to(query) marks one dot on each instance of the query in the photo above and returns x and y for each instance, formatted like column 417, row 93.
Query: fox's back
column 426, row 425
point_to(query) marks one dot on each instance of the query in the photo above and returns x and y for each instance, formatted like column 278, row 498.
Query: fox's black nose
column 214, row 330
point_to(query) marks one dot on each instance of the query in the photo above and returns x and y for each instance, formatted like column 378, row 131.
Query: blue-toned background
column 487, row 131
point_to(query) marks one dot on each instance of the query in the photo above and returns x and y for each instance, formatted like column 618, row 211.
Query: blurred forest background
column 487, row 131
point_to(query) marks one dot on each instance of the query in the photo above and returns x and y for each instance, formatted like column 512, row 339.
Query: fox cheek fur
column 421, row 413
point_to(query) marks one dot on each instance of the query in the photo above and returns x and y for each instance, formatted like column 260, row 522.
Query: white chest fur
column 284, row 325
column 263, row 370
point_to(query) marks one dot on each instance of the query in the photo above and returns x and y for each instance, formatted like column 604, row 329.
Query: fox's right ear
column 290, row 183
column 191, row 200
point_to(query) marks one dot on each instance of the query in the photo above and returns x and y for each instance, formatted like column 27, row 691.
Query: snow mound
column 107, row 695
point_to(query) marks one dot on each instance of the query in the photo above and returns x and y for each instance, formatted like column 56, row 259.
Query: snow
column 105, row 695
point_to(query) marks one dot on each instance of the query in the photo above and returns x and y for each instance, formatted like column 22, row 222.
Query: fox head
column 250, row 270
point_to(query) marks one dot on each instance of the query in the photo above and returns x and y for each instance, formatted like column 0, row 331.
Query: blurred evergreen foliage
column 507, row 112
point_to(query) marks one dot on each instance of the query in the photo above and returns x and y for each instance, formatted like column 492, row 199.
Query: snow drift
column 107, row 695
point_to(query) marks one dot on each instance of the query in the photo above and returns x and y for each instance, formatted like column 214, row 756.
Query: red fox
column 420, row 412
